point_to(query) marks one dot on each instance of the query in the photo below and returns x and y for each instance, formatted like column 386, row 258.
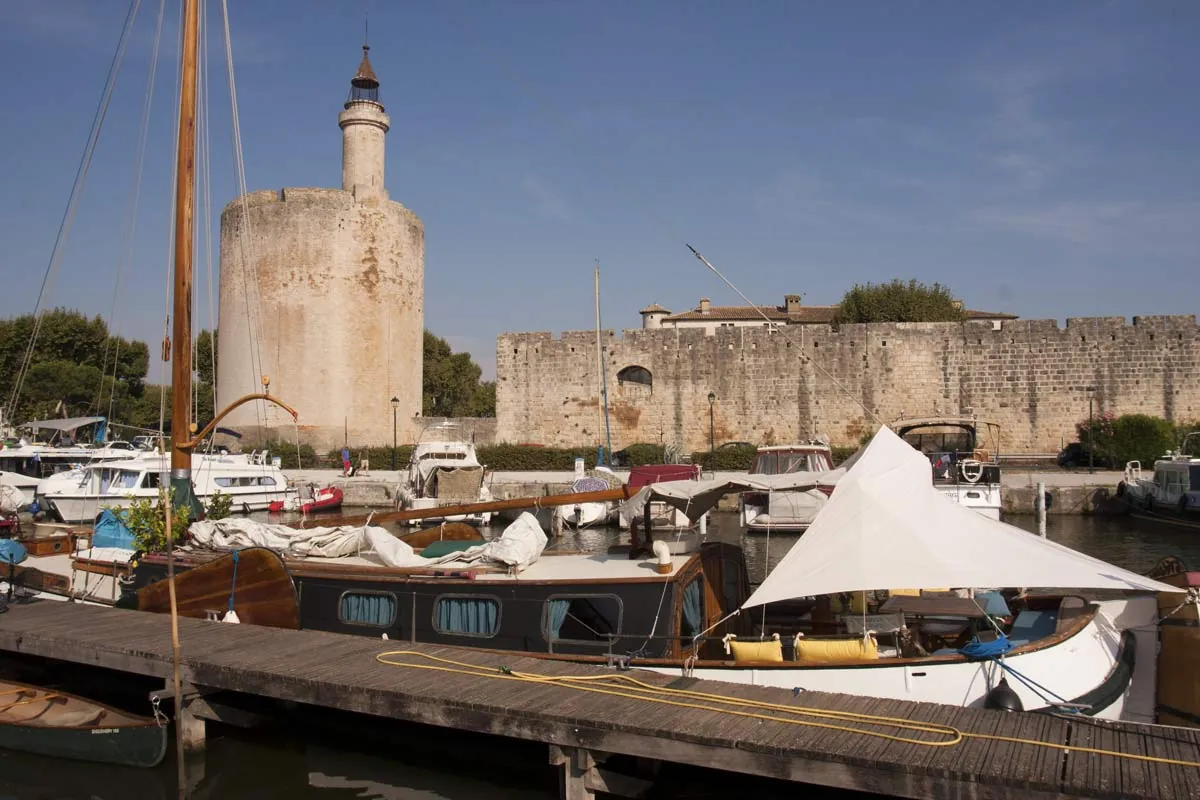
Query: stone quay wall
column 1032, row 377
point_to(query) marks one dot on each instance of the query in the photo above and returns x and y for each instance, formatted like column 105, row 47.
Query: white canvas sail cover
column 694, row 498
column 886, row 526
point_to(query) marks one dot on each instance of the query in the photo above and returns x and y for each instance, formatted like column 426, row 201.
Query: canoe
column 53, row 723
column 327, row 499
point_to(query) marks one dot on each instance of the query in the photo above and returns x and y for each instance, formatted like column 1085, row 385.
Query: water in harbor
column 324, row 756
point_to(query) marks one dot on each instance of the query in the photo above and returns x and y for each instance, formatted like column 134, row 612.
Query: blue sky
column 1038, row 158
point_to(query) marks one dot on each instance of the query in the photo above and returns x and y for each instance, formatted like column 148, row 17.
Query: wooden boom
column 548, row 501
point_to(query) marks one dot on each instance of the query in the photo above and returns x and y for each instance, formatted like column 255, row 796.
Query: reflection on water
column 322, row 756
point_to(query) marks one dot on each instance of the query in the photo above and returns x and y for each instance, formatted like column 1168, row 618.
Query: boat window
column 115, row 481
column 467, row 615
column 151, row 480
column 442, row 456
column 691, row 621
column 731, row 583
column 1160, row 477
column 1194, row 475
column 377, row 609
column 588, row 619
column 266, row 480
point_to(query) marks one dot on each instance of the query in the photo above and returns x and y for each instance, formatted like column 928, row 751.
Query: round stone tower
column 322, row 295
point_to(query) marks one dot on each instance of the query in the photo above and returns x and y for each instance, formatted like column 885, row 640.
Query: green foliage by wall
column 899, row 302
column 450, row 385
column 1132, row 437
column 726, row 459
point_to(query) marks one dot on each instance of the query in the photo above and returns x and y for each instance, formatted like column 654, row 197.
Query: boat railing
column 1133, row 472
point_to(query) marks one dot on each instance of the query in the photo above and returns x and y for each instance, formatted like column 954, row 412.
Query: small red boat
column 326, row 499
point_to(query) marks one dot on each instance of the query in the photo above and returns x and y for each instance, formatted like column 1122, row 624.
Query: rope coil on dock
column 622, row 685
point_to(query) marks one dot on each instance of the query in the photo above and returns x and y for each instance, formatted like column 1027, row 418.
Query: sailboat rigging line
column 774, row 326
column 206, row 193
column 250, row 281
column 133, row 205
column 603, row 372
column 64, row 227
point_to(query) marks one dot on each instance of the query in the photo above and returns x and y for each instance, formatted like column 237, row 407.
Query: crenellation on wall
column 1034, row 377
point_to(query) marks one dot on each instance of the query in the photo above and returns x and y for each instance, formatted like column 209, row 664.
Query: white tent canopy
column 66, row 425
column 694, row 498
column 886, row 526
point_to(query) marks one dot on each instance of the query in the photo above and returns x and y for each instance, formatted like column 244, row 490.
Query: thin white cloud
column 546, row 199
column 1104, row 226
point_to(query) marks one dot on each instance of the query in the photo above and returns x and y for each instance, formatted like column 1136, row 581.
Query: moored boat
column 55, row 723
column 326, row 499
column 965, row 455
column 789, row 510
column 681, row 606
column 444, row 470
column 1172, row 493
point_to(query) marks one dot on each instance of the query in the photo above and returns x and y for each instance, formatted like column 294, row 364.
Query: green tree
column 205, row 362
column 451, row 385
column 75, row 367
column 899, row 302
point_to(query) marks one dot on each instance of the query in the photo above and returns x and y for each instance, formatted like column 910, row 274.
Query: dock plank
column 343, row 672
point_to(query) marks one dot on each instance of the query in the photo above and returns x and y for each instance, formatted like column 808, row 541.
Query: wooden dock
column 583, row 727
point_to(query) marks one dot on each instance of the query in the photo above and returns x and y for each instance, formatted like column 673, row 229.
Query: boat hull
column 1094, row 666
column 74, row 509
column 141, row 746
column 76, row 728
column 982, row 498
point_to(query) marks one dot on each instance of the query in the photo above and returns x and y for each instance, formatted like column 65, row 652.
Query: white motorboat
column 662, row 516
column 585, row 515
column 253, row 482
column 965, row 454
column 1172, row 492
column 444, row 470
column 790, row 511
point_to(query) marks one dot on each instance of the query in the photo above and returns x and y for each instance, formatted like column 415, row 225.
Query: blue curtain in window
column 369, row 609
column 693, row 609
column 556, row 612
column 467, row 615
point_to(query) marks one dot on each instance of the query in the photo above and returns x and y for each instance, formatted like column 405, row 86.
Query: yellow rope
column 621, row 685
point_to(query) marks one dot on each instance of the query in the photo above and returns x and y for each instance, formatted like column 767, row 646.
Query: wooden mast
column 181, row 358
column 185, row 212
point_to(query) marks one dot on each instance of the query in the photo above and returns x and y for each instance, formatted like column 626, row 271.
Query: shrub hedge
column 524, row 457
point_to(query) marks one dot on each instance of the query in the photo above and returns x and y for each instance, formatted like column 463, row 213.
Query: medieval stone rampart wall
column 1033, row 377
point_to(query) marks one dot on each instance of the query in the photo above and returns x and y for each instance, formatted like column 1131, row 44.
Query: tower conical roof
column 365, row 77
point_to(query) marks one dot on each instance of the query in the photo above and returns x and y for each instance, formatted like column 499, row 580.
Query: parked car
column 1076, row 455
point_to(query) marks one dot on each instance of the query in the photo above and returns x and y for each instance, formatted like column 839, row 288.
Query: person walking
column 345, row 461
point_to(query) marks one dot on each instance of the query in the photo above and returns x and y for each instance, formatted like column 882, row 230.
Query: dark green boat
column 53, row 723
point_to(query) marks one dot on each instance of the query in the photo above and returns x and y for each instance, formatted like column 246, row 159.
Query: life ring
column 1121, row 489
column 965, row 468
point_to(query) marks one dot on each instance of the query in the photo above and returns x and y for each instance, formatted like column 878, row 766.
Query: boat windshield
column 116, row 481
column 1194, row 477
column 786, row 462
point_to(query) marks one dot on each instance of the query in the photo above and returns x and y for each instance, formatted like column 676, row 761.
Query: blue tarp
column 111, row 532
column 11, row 551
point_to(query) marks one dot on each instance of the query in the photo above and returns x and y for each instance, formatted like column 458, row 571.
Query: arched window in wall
column 636, row 374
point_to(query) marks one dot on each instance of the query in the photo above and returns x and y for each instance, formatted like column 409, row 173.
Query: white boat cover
column 11, row 499
column 694, row 498
column 519, row 546
column 886, row 526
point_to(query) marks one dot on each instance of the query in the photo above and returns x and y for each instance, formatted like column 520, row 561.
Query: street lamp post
column 712, row 442
column 395, row 405
column 1091, row 435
